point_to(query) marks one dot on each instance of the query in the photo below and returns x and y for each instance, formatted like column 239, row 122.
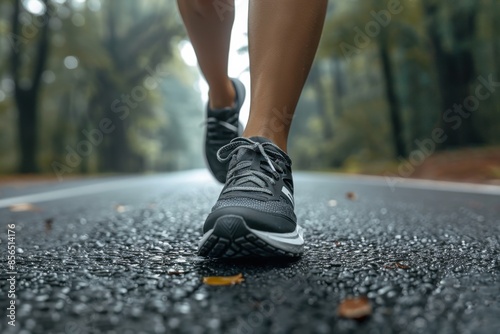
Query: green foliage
column 351, row 123
column 127, row 57
column 367, row 91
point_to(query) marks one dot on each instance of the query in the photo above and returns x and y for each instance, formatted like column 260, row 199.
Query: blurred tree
column 123, row 55
column 357, row 56
column 27, row 85
column 372, row 93
column 384, row 46
column 135, row 48
column 109, row 61
column 360, row 64
column 452, row 31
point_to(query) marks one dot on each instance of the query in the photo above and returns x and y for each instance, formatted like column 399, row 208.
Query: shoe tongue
column 276, row 149
column 249, row 155
column 246, row 154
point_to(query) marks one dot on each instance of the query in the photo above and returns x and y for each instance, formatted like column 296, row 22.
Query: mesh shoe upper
column 222, row 126
column 259, row 186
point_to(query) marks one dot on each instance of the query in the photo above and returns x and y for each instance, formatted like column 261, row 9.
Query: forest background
column 407, row 88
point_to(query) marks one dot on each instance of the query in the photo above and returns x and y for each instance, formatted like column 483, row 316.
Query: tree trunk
column 27, row 130
column 455, row 73
column 394, row 109
column 27, row 97
column 338, row 88
column 114, row 152
column 321, row 96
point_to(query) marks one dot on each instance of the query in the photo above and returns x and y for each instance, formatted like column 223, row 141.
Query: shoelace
column 240, row 175
column 218, row 131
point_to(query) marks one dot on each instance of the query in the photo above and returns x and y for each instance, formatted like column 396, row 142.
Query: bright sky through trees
column 238, row 63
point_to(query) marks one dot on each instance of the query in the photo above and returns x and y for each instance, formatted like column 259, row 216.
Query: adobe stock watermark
column 222, row 7
column 95, row 136
column 11, row 274
column 372, row 29
column 281, row 119
column 453, row 116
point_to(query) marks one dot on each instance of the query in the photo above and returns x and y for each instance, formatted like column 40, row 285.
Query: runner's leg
column 283, row 38
column 209, row 25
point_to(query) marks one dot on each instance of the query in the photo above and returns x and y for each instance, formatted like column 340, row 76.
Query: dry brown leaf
column 395, row 265
column 401, row 266
column 223, row 280
column 350, row 195
column 355, row 308
column 20, row 207
column 175, row 272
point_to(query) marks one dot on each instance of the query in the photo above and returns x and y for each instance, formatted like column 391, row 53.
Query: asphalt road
column 118, row 255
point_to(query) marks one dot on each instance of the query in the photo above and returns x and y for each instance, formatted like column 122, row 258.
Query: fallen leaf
column 350, row 195
column 355, row 308
column 175, row 272
column 48, row 224
column 121, row 208
column 20, row 207
column 395, row 265
column 223, row 280
column 401, row 266
column 332, row 203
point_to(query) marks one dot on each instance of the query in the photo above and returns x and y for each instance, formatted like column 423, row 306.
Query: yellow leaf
column 221, row 280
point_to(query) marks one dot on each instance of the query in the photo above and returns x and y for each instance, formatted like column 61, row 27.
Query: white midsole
column 292, row 241
column 292, row 238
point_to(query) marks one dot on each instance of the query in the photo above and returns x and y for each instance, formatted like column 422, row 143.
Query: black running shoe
column 222, row 127
column 254, row 215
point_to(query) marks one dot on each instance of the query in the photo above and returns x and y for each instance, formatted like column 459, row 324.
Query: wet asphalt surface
column 123, row 260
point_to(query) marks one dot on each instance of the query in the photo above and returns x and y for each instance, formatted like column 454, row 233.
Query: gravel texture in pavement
column 124, row 261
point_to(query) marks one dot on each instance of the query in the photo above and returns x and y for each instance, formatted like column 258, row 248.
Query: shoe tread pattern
column 231, row 238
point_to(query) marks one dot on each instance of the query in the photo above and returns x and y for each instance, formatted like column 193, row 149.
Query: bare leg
column 209, row 29
column 283, row 38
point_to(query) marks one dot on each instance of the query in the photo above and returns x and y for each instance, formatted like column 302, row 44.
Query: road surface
column 118, row 255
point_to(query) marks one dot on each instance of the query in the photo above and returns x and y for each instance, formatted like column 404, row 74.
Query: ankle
column 222, row 96
column 278, row 140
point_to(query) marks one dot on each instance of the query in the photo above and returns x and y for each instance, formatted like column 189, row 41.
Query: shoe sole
column 232, row 238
